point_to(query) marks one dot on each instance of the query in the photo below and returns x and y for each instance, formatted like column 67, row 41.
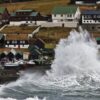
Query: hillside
column 43, row 6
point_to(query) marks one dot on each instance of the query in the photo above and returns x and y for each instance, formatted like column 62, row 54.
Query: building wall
column 71, row 24
column 60, row 24
column 24, row 46
column 11, row 46
column 17, row 46
column 18, row 23
column 26, row 55
column 51, row 24
column 62, row 18
column 48, row 24
column 92, row 27
column 40, row 22
column 66, row 17
column 91, row 21
column 77, row 14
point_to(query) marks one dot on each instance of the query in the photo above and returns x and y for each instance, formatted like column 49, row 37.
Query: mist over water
column 75, row 71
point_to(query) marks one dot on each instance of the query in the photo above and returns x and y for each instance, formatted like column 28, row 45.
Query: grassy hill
column 43, row 6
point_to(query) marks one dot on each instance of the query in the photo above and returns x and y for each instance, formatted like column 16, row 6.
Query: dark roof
column 13, row 14
column 91, row 12
column 98, row 39
column 34, row 14
column 25, row 10
column 64, row 10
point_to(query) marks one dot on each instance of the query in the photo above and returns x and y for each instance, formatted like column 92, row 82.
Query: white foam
column 35, row 98
column 76, row 66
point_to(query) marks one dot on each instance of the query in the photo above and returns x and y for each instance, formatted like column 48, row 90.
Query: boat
column 30, row 63
column 11, row 65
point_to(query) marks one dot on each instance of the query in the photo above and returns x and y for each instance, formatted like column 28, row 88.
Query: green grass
column 43, row 6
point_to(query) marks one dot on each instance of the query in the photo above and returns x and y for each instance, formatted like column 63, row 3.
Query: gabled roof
column 34, row 14
column 98, row 39
column 13, row 14
column 64, row 10
column 2, row 9
column 25, row 10
column 91, row 12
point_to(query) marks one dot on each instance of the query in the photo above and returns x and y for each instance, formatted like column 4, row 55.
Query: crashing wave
column 75, row 67
column 35, row 98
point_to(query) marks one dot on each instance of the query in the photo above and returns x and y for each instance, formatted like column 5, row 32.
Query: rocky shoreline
column 9, row 75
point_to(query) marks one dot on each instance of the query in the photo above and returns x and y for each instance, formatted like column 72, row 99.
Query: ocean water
column 74, row 74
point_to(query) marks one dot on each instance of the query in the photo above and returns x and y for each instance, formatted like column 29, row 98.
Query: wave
column 35, row 98
column 75, row 68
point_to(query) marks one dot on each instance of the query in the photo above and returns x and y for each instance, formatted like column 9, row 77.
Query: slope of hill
column 43, row 6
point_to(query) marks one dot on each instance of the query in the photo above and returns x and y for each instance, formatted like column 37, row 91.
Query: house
column 4, row 15
column 85, row 2
column 90, row 20
column 66, row 15
column 44, row 44
column 16, row 40
column 27, row 16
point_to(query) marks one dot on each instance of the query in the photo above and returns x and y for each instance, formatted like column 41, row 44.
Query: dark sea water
column 74, row 74
column 25, row 88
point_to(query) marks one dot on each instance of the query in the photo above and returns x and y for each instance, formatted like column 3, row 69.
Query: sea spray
column 76, row 67
column 35, row 98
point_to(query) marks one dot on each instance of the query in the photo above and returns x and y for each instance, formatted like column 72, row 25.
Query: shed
column 19, row 55
column 10, row 56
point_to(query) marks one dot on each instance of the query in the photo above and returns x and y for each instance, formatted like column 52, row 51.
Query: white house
column 17, row 41
column 28, row 17
column 90, row 20
column 85, row 2
column 66, row 15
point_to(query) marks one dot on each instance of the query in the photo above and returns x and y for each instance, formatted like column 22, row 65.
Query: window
column 90, row 21
column 61, row 15
column 16, row 42
column 94, row 16
column 54, row 15
column 23, row 41
column 85, row 16
column 92, row 27
column 8, row 42
column 13, row 42
column 89, row 16
column 69, row 15
column 84, row 21
column 61, row 20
